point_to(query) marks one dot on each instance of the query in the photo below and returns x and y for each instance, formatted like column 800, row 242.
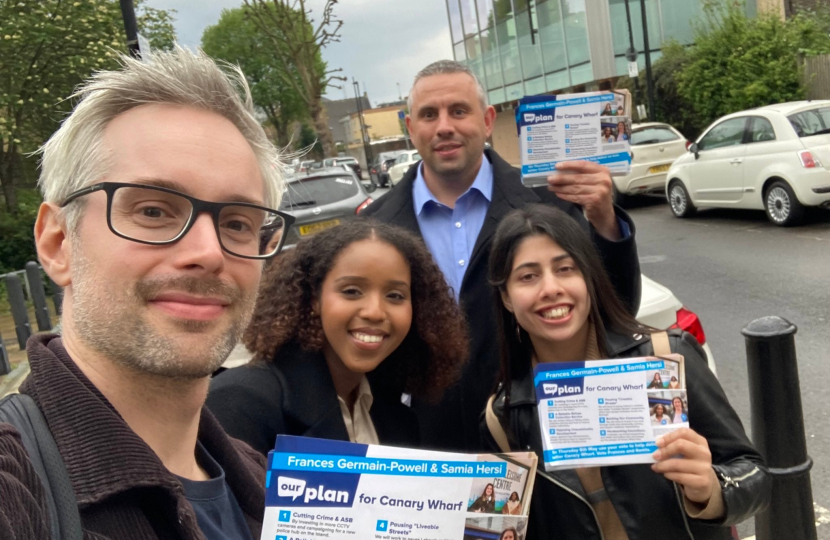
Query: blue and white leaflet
column 592, row 126
column 319, row 489
column 608, row 412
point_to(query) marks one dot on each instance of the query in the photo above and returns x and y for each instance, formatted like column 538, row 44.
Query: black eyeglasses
column 158, row 216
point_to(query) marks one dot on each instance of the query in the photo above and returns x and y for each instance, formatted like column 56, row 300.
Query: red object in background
column 688, row 144
column 363, row 205
column 689, row 322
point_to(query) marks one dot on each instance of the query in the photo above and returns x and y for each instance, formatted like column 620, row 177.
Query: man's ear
column 52, row 243
column 505, row 299
column 489, row 120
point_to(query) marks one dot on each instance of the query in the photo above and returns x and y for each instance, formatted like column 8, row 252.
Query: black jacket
column 294, row 395
column 452, row 424
column 650, row 507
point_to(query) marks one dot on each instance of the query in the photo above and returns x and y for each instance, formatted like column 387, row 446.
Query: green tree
column 156, row 25
column 48, row 47
column 236, row 39
column 738, row 63
column 297, row 44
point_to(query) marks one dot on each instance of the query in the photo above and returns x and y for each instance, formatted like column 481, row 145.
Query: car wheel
column 620, row 199
column 782, row 206
column 679, row 200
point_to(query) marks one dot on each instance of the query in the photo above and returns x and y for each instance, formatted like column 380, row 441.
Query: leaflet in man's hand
column 608, row 412
column 319, row 489
column 592, row 126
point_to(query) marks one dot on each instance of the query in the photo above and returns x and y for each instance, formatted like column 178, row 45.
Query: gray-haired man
column 455, row 199
column 156, row 191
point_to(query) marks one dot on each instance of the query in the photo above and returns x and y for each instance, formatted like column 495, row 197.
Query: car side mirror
column 371, row 187
column 695, row 149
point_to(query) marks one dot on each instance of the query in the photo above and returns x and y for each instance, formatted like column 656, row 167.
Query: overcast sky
column 383, row 42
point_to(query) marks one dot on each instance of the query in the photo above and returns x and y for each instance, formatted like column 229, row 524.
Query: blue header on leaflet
column 554, row 372
column 550, row 166
column 598, row 451
column 370, row 465
column 527, row 105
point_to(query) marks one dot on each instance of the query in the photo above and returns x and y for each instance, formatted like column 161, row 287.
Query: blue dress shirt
column 451, row 233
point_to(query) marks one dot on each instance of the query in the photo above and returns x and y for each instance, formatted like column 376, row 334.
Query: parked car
column 771, row 158
column 305, row 166
column 379, row 169
column 654, row 146
column 322, row 199
column 402, row 164
column 660, row 308
column 344, row 160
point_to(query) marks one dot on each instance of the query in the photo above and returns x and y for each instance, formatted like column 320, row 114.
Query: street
column 731, row 267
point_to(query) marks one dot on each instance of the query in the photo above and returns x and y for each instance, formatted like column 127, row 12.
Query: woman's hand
column 683, row 456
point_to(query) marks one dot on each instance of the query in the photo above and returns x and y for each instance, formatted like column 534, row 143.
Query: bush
column 17, row 238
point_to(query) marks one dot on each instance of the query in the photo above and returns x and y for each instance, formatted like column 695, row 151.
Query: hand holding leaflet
column 589, row 185
column 684, row 457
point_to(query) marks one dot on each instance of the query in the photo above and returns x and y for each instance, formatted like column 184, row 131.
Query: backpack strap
column 22, row 412
column 660, row 342
column 494, row 426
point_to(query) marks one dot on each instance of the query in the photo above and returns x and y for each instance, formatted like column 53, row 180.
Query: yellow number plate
column 314, row 228
column 659, row 168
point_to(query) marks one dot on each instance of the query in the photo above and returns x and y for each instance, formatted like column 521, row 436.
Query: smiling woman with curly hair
column 362, row 299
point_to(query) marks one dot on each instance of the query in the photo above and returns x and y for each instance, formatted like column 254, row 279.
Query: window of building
column 679, row 16
column 582, row 74
column 576, row 31
column 551, row 35
column 514, row 91
column 460, row 53
column 455, row 21
column 535, row 86
column 496, row 96
column 619, row 23
column 558, row 80
column 490, row 54
column 527, row 26
column 509, row 50
column 474, row 57
column 468, row 17
column 486, row 15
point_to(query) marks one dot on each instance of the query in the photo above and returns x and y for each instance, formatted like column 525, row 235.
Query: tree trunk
column 321, row 126
column 7, row 178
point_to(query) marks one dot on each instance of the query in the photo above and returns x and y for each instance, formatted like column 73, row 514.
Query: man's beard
column 115, row 324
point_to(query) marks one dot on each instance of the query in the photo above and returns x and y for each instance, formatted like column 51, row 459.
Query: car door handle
column 736, row 161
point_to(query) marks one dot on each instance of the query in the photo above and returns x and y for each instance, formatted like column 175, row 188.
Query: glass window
column 652, row 135
column 558, row 80
column 619, row 23
column 509, row 49
column 468, row 16
column 761, row 130
column 503, row 10
column 679, row 17
column 486, row 16
column 582, row 74
column 535, row 86
column 490, row 54
column 514, row 91
column 497, row 96
column 550, row 35
column 474, row 59
column 727, row 133
column 455, row 21
column 576, row 32
column 527, row 27
column 460, row 53
column 811, row 122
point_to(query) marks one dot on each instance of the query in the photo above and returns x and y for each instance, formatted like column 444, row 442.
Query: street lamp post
column 649, row 80
column 131, row 27
column 363, row 133
column 631, row 53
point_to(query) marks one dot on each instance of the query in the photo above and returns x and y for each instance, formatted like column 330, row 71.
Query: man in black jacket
column 455, row 199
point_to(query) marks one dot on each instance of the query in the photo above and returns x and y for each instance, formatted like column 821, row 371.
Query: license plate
column 314, row 228
column 659, row 168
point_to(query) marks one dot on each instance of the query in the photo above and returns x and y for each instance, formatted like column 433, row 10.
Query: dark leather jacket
column 649, row 506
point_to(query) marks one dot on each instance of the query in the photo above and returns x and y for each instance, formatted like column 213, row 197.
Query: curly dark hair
column 429, row 359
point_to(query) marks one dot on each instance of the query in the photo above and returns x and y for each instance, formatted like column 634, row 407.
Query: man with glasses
column 158, row 213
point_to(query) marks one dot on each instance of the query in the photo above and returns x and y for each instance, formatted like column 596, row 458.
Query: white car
column 402, row 164
column 660, row 308
column 771, row 158
column 654, row 147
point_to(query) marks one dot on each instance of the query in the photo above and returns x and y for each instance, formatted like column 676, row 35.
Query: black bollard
column 38, row 294
column 57, row 296
column 778, row 429
column 5, row 365
column 18, row 304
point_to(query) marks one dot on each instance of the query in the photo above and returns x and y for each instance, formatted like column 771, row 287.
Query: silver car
column 323, row 199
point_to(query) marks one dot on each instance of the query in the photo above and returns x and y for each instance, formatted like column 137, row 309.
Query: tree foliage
column 236, row 39
column 297, row 44
column 47, row 48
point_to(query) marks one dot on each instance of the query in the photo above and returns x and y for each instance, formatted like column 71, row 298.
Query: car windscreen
column 811, row 122
column 652, row 135
column 318, row 191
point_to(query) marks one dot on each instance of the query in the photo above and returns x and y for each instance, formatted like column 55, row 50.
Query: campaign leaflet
column 592, row 126
column 608, row 412
column 320, row 489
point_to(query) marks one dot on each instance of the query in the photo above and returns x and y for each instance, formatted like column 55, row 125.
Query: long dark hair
column 492, row 495
column 510, row 529
column 607, row 310
column 429, row 359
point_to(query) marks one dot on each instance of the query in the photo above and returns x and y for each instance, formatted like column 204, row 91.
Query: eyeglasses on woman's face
column 159, row 216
